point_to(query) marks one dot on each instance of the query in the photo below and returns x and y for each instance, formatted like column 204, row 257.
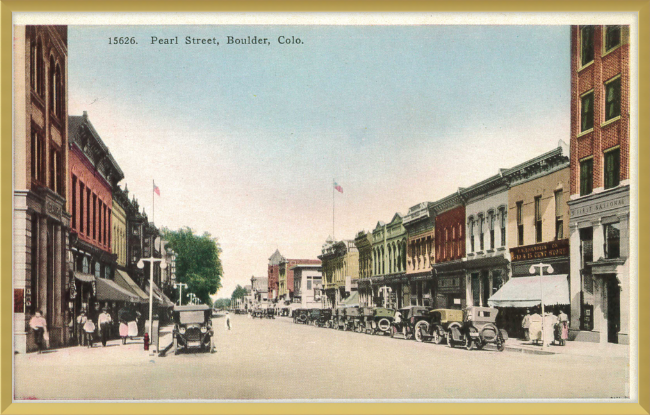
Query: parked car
column 477, row 329
column 366, row 319
column 301, row 315
column 314, row 315
column 382, row 318
column 410, row 317
column 193, row 328
column 435, row 328
column 324, row 318
column 352, row 318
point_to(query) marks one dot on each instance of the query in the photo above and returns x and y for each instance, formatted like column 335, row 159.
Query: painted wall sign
column 539, row 251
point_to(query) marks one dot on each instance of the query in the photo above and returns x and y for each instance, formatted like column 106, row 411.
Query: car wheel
column 501, row 345
column 436, row 336
column 479, row 345
column 421, row 328
column 383, row 324
column 450, row 341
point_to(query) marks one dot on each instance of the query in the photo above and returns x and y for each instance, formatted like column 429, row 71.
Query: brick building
column 274, row 274
column 41, row 219
column 419, row 223
column 449, row 245
column 600, row 185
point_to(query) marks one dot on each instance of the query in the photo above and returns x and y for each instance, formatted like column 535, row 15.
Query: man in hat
column 525, row 324
column 104, row 323
column 81, row 321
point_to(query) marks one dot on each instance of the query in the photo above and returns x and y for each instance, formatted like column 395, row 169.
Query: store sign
column 540, row 251
column 600, row 206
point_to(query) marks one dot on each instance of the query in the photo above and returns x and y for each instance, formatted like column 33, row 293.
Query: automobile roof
column 197, row 307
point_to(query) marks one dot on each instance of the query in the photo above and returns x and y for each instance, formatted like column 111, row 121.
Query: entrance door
column 613, row 309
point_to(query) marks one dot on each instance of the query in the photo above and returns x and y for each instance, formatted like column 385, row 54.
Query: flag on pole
column 156, row 189
column 337, row 187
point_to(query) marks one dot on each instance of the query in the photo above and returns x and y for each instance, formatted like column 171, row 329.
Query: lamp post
column 385, row 289
column 533, row 270
column 180, row 293
column 192, row 298
column 163, row 265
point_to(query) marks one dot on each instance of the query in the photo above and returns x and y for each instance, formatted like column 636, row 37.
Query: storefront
column 450, row 285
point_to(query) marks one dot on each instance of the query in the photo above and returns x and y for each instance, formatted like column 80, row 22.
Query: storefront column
column 624, row 277
column 600, row 321
column 574, row 279
column 57, row 284
column 42, row 265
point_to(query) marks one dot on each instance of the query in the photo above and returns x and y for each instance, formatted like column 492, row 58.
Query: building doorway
column 613, row 309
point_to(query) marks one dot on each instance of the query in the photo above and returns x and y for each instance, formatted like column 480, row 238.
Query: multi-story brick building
column 41, row 219
column 449, row 245
column 600, row 183
column 285, row 276
column 419, row 223
column 274, row 274
column 340, row 262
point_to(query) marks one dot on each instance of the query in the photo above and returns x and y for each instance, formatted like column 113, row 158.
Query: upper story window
column 85, row 265
column 471, row 234
column 56, row 171
column 612, row 168
column 613, row 98
column 38, row 156
column 481, row 238
column 491, row 224
column 612, row 37
column 74, row 202
column 36, row 66
column 587, row 111
column 586, row 45
column 586, row 176
column 503, row 226
column 520, row 223
column 612, row 240
column 538, row 219
column 559, row 216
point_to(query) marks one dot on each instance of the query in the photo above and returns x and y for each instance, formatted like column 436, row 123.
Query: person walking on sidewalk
column 89, row 330
column 525, row 324
column 39, row 326
column 124, row 331
column 104, row 323
column 228, row 325
column 81, row 334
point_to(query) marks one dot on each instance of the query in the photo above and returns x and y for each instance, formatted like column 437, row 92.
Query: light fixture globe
column 163, row 264
column 140, row 264
column 550, row 269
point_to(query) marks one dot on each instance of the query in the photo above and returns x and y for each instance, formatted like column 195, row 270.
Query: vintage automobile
column 339, row 322
column 314, row 316
column 324, row 317
column 352, row 318
column 193, row 328
column 435, row 327
column 366, row 319
column 410, row 317
column 382, row 318
column 477, row 329
column 301, row 315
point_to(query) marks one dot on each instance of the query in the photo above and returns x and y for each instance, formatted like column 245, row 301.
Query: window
column 612, row 240
column 94, row 216
column 587, row 111
column 88, row 212
column 612, row 168
column 52, row 84
column 309, row 283
column 98, row 270
column 85, row 265
column 520, row 223
column 471, row 234
column 481, row 239
column 612, row 37
column 33, row 77
column 74, row 202
column 586, row 246
column 613, row 99
column 538, row 219
column 81, row 207
column 586, row 44
column 503, row 226
column 56, row 171
column 559, row 218
column 586, row 176
column 38, row 156
column 100, row 221
column 491, row 216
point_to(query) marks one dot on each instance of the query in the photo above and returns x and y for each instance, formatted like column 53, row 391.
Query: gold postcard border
column 6, row 171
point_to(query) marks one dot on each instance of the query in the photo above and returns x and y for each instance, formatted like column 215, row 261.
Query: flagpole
column 153, row 201
column 333, row 208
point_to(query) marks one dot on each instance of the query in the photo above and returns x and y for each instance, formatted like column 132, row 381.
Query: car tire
column 384, row 324
column 420, row 328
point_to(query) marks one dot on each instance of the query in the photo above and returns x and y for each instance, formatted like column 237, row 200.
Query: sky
column 245, row 141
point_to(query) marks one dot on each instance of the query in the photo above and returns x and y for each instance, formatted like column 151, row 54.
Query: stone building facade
column 389, row 261
column 419, row 223
column 600, row 183
column 340, row 263
column 41, row 219
column 363, row 242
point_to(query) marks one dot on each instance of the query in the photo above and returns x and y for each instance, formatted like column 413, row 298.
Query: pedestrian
column 104, row 323
column 124, row 331
column 89, row 329
column 563, row 323
column 228, row 321
column 39, row 327
column 525, row 324
column 133, row 329
column 81, row 320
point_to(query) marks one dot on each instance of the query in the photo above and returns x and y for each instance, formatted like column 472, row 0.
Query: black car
column 193, row 328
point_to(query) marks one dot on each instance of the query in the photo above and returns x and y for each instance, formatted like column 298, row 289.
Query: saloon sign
column 540, row 251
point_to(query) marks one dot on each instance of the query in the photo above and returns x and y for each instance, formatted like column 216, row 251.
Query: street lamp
column 192, row 298
column 163, row 265
column 533, row 270
column 180, row 294
column 385, row 289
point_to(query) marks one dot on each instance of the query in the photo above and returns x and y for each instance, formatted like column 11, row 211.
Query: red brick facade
column 274, row 275
column 606, row 65
column 450, row 235
column 91, row 212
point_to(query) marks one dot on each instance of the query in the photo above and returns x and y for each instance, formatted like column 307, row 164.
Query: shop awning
column 108, row 290
column 351, row 301
column 124, row 280
column 82, row 276
column 158, row 297
column 525, row 292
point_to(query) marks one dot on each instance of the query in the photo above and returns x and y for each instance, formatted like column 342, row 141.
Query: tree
column 197, row 262
column 222, row 303
column 239, row 292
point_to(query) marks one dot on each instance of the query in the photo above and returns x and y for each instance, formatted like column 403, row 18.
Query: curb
column 527, row 351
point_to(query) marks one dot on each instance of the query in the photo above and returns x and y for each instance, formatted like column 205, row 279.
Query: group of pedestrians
column 86, row 328
column 555, row 327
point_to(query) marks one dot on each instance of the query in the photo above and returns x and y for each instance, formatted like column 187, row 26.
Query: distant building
column 259, row 289
column 420, row 223
column 274, row 274
column 285, row 277
column 308, row 284
column 363, row 242
column 600, row 183
column 389, row 261
column 340, row 261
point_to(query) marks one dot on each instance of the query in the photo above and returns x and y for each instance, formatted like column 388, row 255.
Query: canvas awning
column 108, row 290
column 82, row 276
column 124, row 280
column 351, row 301
column 158, row 297
column 525, row 292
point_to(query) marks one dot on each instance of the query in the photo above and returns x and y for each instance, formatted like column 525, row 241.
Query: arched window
column 40, row 68
column 51, row 84
column 58, row 92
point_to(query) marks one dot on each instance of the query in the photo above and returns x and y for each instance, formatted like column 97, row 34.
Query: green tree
column 239, row 292
column 222, row 303
column 197, row 262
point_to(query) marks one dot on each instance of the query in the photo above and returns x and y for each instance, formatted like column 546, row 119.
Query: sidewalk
column 570, row 348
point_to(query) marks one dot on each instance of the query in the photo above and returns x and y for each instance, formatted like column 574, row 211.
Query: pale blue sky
column 244, row 141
